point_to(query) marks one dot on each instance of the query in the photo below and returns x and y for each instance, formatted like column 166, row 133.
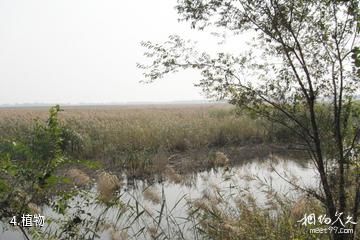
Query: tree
column 302, row 71
column 27, row 169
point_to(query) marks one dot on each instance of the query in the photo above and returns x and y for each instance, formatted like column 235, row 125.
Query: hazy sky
column 76, row 51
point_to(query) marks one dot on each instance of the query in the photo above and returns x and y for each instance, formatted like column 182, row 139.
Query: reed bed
column 121, row 135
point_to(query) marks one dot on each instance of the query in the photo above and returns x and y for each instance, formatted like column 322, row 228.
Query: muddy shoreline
column 187, row 162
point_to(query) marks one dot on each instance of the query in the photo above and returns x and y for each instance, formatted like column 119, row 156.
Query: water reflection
column 175, row 192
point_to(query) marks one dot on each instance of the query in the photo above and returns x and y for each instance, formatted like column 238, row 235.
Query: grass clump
column 107, row 185
column 78, row 177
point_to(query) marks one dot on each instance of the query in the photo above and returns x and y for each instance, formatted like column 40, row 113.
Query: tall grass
column 134, row 138
column 131, row 137
column 123, row 128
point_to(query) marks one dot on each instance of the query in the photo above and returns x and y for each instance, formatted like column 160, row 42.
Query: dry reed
column 152, row 194
column 107, row 185
column 78, row 177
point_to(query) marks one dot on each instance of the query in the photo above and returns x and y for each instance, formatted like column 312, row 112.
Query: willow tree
column 301, row 70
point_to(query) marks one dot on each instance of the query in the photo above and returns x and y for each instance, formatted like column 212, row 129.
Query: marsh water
column 254, row 177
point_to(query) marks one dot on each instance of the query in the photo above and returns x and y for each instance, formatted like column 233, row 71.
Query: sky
column 85, row 51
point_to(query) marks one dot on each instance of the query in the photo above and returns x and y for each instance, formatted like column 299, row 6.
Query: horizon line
column 47, row 104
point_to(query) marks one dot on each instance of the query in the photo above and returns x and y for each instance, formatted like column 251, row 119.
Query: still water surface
column 250, row 177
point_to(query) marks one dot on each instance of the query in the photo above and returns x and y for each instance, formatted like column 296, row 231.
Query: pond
column 168, row 197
